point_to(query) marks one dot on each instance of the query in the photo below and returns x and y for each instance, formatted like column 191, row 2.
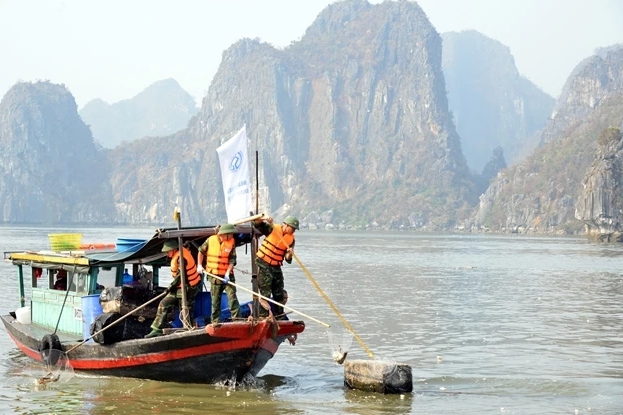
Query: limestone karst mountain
column 492, row 104
column 540, row 194
column 353, row 118
column 51, row 170
column 591, row 82
column 351, row 124
column 161, row 109
column 600, row 203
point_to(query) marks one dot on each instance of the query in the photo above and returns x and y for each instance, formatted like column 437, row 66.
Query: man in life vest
column 278, row 245
column 220, row 253
column 174, row 291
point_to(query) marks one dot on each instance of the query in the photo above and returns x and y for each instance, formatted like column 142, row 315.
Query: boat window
column 79, row 284
column 107, row 276
column 142, row 276
column 58, row 279
column 50, row 277
column 37, row 278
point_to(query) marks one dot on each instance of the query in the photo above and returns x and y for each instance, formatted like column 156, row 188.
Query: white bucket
column 22, row 315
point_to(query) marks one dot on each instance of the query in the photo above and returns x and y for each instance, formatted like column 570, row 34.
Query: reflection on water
column 360, row 402
column 489, row 324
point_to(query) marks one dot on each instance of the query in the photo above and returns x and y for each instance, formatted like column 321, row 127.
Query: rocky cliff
column 351, row 125
column 540, row 194
column 161, row 109
column 492, row 104
column 51, row 170
column 351, row 121
column 600, row 203
column 590, row 83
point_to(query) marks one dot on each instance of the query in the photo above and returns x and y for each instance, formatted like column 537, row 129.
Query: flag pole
column 234, row 161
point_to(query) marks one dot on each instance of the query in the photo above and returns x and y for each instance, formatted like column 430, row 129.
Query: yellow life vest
column 190, row 265
column 217, row 260
column 274, row 246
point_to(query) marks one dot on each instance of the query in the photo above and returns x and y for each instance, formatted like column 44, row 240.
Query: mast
column 254, row 245
column 185, row 312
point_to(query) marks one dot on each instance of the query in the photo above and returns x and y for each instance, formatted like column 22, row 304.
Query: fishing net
column 340, row 343
column 57, row 368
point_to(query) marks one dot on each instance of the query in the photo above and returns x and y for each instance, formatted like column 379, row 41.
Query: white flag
column 234, row 161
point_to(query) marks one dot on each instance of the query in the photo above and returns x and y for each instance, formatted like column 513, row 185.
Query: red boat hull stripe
column 241, row 337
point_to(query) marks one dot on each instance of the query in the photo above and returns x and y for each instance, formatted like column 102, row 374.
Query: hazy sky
column 114, row 49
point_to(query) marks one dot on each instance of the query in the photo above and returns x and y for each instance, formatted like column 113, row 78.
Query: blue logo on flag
column 236, row 162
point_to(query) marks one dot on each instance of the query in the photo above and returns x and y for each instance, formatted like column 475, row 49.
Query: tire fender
column 50, row 342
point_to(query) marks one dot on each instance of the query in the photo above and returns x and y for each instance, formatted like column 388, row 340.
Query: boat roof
column 149, row 252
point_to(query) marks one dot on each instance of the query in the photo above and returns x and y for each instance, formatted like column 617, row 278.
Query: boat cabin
column 63, row 284
column 67, row 286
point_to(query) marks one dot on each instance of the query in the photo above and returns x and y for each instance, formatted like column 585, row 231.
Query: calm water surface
column 489, row 325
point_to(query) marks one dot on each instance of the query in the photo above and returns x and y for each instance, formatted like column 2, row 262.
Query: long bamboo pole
column 333, row 307
column 248, row 219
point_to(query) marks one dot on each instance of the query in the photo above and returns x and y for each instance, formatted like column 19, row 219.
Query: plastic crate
column 65, row 241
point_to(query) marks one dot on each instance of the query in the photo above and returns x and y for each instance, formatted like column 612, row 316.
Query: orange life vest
column 274, row 246
column 217, row 260
column 190, row 265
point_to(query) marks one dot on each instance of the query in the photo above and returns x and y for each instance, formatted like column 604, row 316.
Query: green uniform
column 270, row 277
column 217, row 288
column 174, row 296
column 171, row 300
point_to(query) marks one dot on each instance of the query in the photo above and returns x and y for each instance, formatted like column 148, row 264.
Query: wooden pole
column 248, row 219
column 333, row 307
column 184, row 312
column 255, row 306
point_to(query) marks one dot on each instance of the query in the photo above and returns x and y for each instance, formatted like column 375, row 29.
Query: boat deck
column 37, row 331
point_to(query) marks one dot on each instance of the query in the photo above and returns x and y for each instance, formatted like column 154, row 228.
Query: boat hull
column 211, row 354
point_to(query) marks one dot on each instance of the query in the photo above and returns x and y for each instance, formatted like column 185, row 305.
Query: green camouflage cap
column 227, row 228
column 292, row 221
column 169, row 245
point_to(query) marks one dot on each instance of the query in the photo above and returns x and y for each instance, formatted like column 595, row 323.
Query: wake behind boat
column 64, row 319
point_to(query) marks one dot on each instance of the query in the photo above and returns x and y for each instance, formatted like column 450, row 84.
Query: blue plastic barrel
column 127, row 278
column 91, row 308
column 203, row 308
column 203, row 304
column 225, row 312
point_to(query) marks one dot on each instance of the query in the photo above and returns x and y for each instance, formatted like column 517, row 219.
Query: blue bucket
column 91, row 308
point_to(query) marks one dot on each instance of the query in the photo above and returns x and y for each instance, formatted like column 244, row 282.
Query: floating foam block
column 378, row 376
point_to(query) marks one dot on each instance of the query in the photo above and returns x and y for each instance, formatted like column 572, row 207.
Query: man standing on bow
column 220, row 253
column 174, row 292
column 278, row 245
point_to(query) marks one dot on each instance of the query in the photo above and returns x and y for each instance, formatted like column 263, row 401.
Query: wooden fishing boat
column 64, row 320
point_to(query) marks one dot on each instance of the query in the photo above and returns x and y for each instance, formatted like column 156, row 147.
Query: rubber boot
column 154, row 333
